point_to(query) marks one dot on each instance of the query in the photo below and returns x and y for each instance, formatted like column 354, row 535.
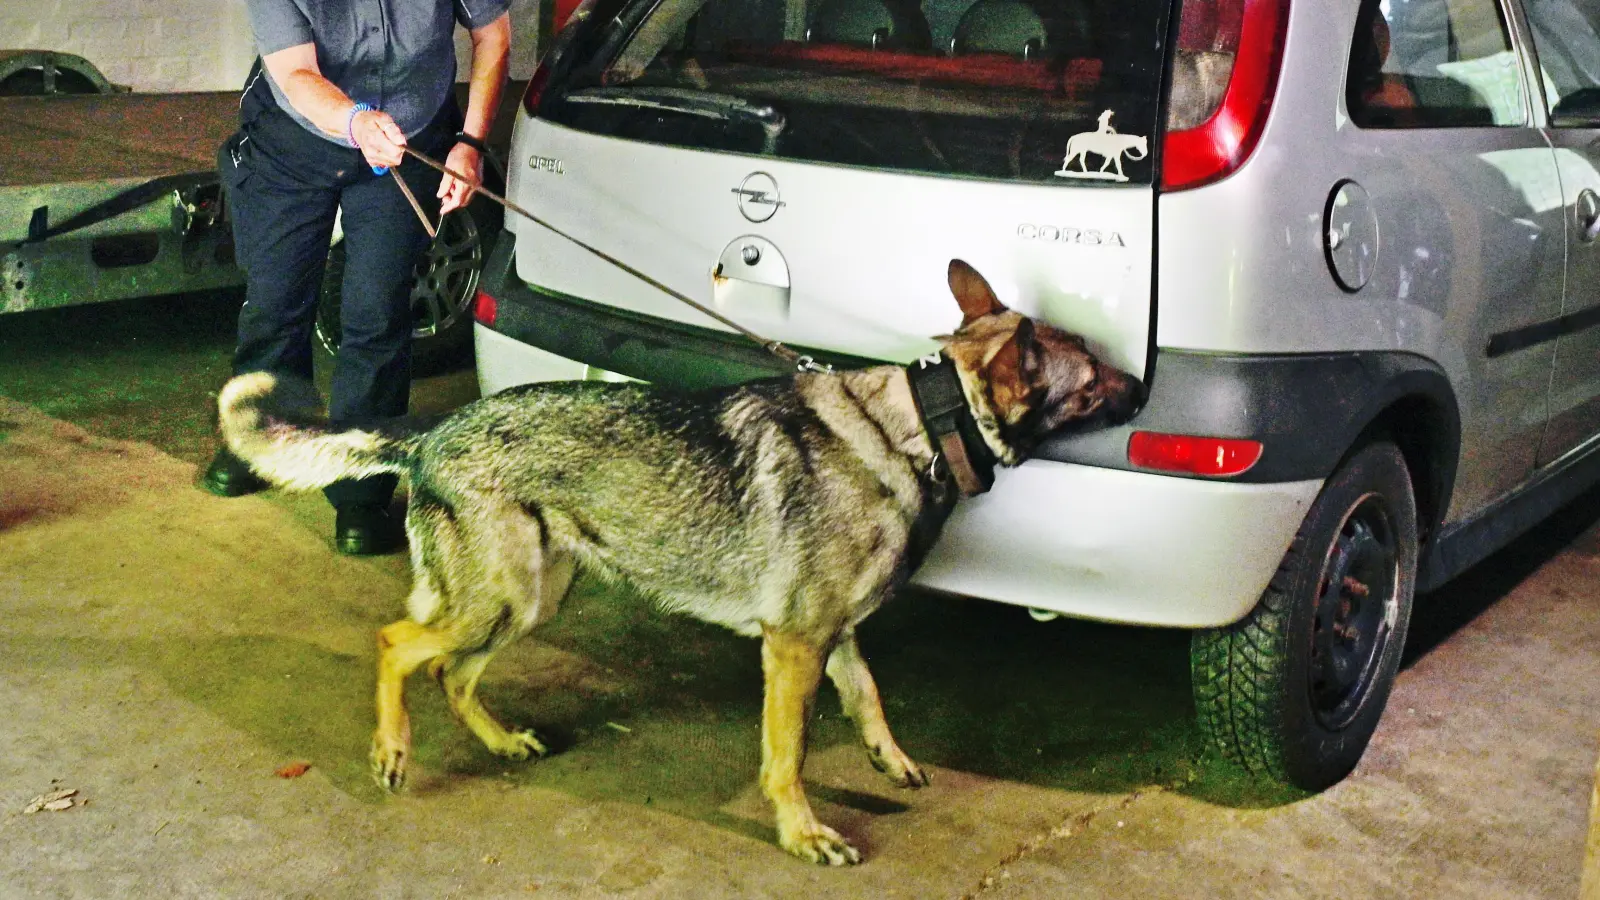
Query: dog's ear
column 972, row 293
column 1012, row 369
column 1007, row 380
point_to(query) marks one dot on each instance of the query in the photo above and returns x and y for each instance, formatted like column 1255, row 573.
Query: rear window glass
column 975, row 88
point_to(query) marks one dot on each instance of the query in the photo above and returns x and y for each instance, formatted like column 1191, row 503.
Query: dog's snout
column 1125, row 395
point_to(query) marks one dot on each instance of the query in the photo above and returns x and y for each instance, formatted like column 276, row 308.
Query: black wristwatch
column 463, row 138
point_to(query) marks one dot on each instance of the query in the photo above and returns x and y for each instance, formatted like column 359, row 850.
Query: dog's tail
column 301, row 453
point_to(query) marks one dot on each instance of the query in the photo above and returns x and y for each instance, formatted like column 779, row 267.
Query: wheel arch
column 1416, row 409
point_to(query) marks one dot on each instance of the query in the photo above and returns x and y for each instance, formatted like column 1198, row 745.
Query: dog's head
column 1026, row 379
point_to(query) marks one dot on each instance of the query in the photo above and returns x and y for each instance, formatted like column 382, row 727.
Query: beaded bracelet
column 350, row 133
column 350, row 123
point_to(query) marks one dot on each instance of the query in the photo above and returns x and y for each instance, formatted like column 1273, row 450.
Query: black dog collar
column 959, row 447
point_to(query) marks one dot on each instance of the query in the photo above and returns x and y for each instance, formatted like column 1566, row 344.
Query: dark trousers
column 285, row 186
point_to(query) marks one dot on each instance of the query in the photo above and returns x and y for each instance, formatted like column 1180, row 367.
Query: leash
column 801, row 362
column 415, row 206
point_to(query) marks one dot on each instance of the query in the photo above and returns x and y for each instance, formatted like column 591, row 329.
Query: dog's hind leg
column 402, row 647
column 793, row 665
column 859, row 695
column 459, row 677
column 524, row 581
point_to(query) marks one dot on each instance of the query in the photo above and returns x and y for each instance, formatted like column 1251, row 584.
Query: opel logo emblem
column 758, row 197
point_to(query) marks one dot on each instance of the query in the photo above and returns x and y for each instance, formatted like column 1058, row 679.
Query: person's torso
column 395, row 55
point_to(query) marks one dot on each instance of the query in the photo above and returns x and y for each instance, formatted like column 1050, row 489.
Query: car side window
column 1433, row 64
column 1566, row 41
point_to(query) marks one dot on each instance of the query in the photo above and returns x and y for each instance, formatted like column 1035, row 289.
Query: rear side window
column 969, row 88
column 1433, row 64
column 1567, row 42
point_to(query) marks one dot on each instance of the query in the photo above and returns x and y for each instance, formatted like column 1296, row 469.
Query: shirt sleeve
column 473, row 13
column 278, row 25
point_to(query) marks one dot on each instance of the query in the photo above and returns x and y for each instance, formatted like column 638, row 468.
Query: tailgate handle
column 751, row 276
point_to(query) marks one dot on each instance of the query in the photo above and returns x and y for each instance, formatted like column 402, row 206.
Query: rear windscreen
column 1057, row 91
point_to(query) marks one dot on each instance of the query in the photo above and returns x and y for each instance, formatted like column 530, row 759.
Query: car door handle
column 1588, row 213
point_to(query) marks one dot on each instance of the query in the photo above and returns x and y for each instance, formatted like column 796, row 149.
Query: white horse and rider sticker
column 1106, row 143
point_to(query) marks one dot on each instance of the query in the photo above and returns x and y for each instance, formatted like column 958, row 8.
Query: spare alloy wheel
column 441, row 300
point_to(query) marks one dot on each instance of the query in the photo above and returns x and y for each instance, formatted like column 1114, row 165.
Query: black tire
column 441, row 300
column 1293, row 692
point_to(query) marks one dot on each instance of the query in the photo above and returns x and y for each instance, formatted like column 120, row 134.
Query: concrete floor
column 167, row 652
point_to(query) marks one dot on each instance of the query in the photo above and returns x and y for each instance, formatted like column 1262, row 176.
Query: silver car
column 1349, row 246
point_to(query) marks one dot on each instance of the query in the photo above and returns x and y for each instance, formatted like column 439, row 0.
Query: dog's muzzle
column 1122, row 395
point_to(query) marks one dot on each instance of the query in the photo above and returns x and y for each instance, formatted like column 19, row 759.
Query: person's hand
column 380, row 139
column 453, row 192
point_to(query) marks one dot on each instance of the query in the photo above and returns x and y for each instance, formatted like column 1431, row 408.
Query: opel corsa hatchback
column 1349, row 246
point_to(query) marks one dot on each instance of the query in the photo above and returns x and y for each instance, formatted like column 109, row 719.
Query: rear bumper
column 1119, row 546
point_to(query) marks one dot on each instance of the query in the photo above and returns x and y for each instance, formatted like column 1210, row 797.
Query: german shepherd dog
column 785, row 509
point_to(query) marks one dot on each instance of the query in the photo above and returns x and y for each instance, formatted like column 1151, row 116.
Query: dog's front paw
column 818, row 843
column 389, row 762
column 519, row 745
column 893, row 762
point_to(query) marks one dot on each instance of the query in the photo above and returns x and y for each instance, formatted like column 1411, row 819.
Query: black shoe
column 228, row 476
column 367, row 531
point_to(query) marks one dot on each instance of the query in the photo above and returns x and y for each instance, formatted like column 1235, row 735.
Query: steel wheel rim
column 1353, row 620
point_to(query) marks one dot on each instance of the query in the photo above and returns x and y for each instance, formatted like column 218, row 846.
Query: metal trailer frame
column 108, row 196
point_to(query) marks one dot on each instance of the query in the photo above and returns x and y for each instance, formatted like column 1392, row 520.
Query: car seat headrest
column 879, row 24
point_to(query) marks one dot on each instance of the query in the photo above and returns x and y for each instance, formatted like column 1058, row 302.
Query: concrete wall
column 154, row 45
column 180, row 45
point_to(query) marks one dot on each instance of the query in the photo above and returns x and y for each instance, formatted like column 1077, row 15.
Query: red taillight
column 561, row 12
column 1229, row 53
column 1192, row 455
column 536, row 84
column 485, row 309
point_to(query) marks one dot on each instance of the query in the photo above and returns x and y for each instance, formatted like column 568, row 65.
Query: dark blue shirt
column 396, row 55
